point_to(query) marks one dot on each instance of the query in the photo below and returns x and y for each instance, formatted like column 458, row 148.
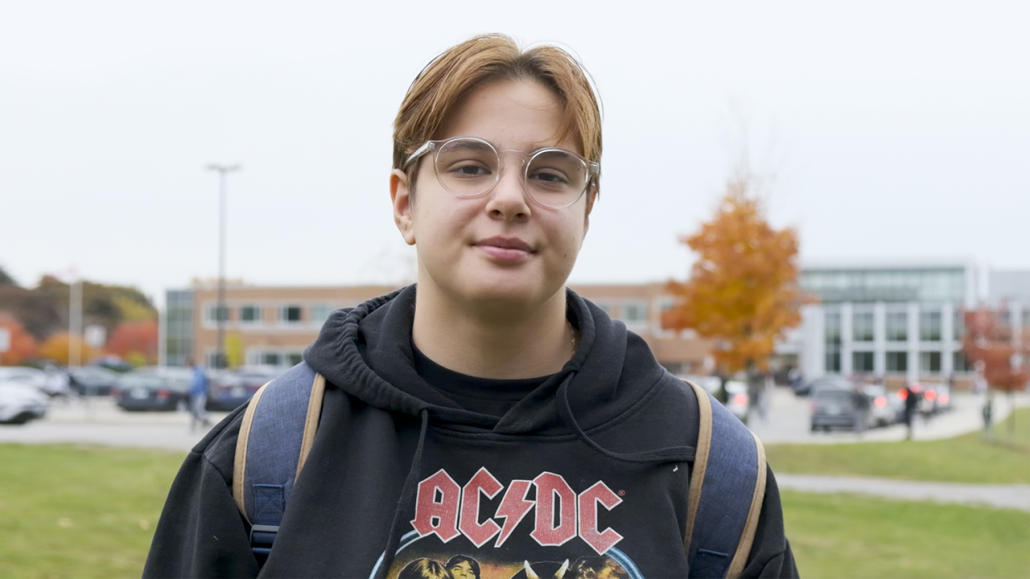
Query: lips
column 506, row 243
column 505, row 249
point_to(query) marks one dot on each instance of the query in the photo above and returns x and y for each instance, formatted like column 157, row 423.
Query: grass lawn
column 70, row 511
column 843, row 536
column 965, row 459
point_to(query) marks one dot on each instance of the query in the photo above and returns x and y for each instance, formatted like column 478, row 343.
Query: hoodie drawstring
column 659, row 455
column 407, row 494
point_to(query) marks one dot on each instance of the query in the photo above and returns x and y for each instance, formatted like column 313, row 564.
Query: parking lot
column 99, row 421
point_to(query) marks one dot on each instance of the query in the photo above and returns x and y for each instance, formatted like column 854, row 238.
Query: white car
column 736, row 393
column 28, row 376
column 20, row 403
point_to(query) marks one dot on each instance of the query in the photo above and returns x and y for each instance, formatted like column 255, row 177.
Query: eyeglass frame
column 593, row 167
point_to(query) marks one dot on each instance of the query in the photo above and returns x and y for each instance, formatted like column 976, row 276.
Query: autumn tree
column 742, row 292
column 21, row 345
column 56, row 349
column 135, row 342
column 1004, row 358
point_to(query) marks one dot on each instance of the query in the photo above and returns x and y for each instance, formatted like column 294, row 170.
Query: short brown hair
column 439, row 88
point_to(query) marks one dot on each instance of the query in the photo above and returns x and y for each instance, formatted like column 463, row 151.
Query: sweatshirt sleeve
column 201, row 533
column 770, row 553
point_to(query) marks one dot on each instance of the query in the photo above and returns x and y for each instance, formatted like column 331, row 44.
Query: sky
column 881, row 131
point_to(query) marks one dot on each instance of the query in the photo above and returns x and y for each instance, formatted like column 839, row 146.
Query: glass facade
column 833, row 341
column 930, row 326
column 178, row 327
column 947, row 284
column 897, row 362
column 862, row 327
column 897, row 326
column 862, row 362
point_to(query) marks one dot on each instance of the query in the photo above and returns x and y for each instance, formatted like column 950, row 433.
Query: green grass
column 843, row 536
column 966, row 459
column 69, row 511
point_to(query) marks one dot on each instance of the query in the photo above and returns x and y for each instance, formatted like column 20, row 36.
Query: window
column 294, row 358
column 320, row 313
column 250, row 314
column 959, row 325
column 862, row 362
column 930, row 326
column 930, row 362
column 634, row 312
column 607, row 307
column 897, row 326
column 960, row 363
column 832, row 328
column 1026, row 317
column 289, row 314
column 897, row 361
column 216, row 313
column 271, row 358
column 862, row 327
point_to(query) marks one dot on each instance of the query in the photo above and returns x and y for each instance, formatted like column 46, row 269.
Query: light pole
column 221, row 312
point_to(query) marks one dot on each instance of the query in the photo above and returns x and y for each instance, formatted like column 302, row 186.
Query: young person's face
column 500, row 246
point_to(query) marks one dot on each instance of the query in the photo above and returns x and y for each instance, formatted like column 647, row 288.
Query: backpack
column 279, row 427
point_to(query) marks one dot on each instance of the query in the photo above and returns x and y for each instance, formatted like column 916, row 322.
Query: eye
column 468, row 169
column 548, row 176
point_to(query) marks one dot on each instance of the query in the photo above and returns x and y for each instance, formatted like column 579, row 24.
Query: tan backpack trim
column 311, row 422
column 704, row 444
column 240, row 461
column 748, row 537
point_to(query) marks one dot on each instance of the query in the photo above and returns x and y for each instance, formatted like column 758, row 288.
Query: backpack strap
column 729, row 468
column 275, row 438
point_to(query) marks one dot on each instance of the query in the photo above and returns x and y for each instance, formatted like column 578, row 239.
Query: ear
column 400, row 197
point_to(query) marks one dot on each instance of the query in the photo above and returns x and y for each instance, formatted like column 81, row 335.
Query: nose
column 509, row 200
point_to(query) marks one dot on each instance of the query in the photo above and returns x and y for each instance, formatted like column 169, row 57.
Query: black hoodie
column 589, row 472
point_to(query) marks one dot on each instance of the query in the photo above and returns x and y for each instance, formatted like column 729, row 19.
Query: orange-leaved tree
column 135, row 341
column 21, row 346
column 1002, row 357
column 56, row 349
column 742, row 292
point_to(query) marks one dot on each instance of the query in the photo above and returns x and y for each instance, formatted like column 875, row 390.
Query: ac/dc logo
column 448, row 510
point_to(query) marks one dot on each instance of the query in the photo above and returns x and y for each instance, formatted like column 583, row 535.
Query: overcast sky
column 894, row 131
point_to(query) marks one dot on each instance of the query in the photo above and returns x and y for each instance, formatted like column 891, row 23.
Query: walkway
column 999, row 496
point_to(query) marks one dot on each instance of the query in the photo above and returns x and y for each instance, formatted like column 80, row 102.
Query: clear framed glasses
column 471, row 167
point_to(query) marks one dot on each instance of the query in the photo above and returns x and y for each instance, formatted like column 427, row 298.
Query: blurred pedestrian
column 912, row 397
column 198, row 397
column 861, row 404
column 988, row 414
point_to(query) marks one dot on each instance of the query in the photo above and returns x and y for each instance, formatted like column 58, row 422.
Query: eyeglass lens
column 470, row 167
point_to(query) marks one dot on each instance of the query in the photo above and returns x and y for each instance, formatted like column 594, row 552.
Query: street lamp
column 223, row 173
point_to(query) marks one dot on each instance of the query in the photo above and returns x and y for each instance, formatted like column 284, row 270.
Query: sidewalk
column 998, row 496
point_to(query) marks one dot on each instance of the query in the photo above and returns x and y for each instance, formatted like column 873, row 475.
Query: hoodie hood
column 366, row 351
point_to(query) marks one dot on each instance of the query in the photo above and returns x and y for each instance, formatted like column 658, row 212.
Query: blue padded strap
column 274, row 445
column 729, row 484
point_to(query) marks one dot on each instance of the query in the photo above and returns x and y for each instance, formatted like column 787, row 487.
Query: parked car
column 27, row 376
column 20, row 402
column 153, row 389
column 92, row 380
column 935, row 398
column 883, row 408
column 230, row 389
column 736, row 393
column 806, row 388
column 838, row 406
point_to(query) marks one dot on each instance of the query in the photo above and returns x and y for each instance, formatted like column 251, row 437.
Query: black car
column 92, row 380
column 152, row 390
column 230, row 389
column 837, row 406
column 806, row 388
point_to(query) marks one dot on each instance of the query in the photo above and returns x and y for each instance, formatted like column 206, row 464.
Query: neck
column 493, row 341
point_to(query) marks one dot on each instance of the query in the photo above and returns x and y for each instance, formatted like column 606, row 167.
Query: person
column 988, row 415
column 487, row 410
column 463, row 567
column 912, row 397
column 198, row 397
column 861, row 404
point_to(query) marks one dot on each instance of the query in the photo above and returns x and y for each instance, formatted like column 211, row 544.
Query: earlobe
column 400, row 197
